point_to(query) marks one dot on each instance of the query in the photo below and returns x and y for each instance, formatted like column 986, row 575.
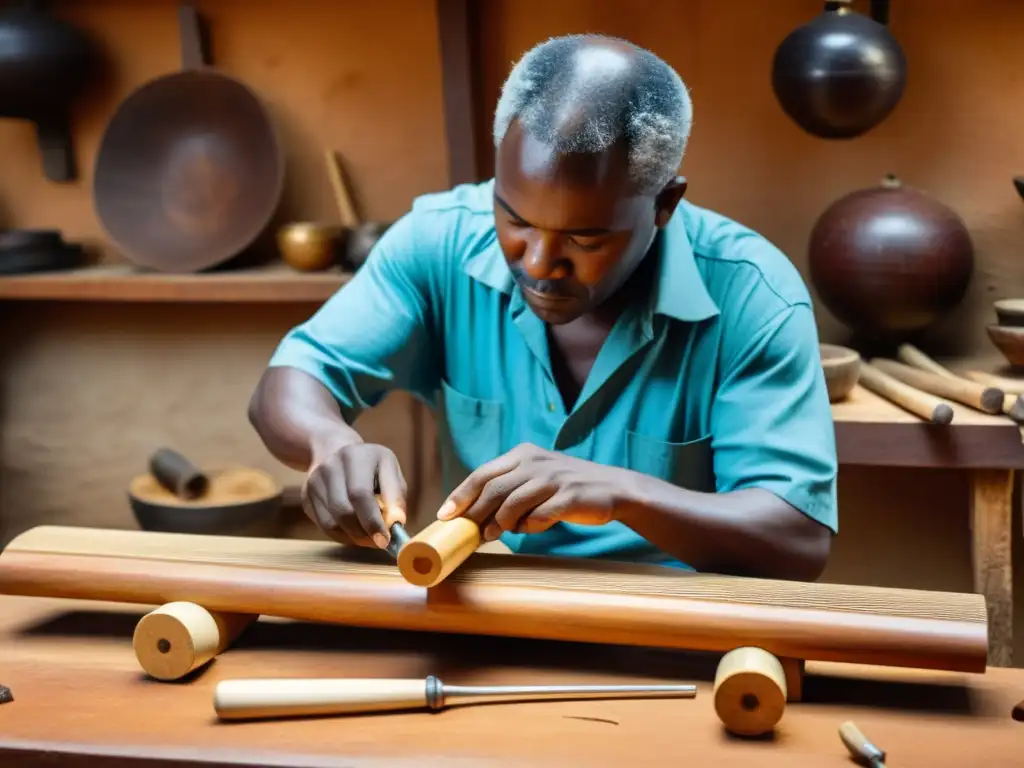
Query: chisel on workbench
column 255, row 698
column 863, row 751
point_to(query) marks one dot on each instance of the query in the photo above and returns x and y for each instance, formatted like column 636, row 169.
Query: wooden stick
column 750, row 691
column 978, row 396
column 180, row 637
column 253, row 698
column 550, row 598
column 914, row 400
column 1012, row 386
column 437, row 550
column 914, row 357
column 342, row 196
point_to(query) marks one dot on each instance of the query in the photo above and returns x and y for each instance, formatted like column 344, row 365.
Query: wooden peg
column 179, row 637
column 907, row 397
column 979, row 396
column 750, row 691
column 438, row 550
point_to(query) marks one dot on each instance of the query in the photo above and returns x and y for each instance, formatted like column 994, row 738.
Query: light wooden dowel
column 437, row 550
column 978, row 396
column 914, row 400
column 750, row 691
column 1011, row 386
column 179, row 637
column 256, row 698
column 914, row 357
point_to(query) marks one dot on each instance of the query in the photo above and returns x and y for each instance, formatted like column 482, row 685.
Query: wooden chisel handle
column 862, row 750
column 914, row 400
column 253, row 698
column 979, row 396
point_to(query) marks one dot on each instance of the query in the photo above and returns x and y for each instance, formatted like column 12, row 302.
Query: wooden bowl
column 1010, row 342
column 1010, row 312
column 238, row 501
column 310, row 246
column 842, row 370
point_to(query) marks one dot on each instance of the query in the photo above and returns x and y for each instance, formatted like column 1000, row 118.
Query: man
column 618, row 373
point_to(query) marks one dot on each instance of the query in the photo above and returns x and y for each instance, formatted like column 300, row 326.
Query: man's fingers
column 392, row 490
column 546, row 514
column 516, row 506
column 360, row 475
column 339, row 507
column 494, row 493
column 468, row 490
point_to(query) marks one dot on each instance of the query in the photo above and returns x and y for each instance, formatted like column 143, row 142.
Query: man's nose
column 543, row 258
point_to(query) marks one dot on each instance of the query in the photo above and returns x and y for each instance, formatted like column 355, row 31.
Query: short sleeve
column 377, row 333
column 771, row 420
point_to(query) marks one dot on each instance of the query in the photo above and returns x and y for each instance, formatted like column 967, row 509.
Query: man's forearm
column 297, row 418
column 749, row 532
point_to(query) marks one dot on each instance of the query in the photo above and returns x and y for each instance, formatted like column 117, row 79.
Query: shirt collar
column 680, row 290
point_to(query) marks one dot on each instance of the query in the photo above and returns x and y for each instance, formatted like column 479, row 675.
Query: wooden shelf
column 871, row 431
column 275, row 283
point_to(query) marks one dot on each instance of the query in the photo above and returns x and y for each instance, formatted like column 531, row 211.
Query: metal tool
column 399, row 538
column 264, row 698
column 863, row 751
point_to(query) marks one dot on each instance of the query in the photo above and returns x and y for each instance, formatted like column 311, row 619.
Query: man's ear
column 667, row 200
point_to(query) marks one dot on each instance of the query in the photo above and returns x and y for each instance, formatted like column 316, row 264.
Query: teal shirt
column 714, row 383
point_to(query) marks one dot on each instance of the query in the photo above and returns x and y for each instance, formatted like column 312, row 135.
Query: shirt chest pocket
column 688, row 465
column 470, row 432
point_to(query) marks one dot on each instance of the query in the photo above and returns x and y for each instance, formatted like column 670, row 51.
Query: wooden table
column 81, row 700
column 871, row 431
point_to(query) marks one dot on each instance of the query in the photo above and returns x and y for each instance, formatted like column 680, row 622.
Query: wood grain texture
column 548, row 598
column 991, row 524
column 55, row 652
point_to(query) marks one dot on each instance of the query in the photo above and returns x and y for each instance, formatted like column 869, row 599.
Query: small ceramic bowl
column 1010, row 342
column 842, row 370
column 1010, row 312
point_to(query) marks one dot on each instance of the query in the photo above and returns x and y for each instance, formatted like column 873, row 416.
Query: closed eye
column 589, row 243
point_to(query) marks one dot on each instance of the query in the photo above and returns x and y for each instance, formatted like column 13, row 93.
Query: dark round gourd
column 839, row 75
column 44, row 62
column 889, row 261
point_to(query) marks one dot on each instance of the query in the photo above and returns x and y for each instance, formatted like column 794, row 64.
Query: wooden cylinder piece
column 179, row 637
column 177, row 474
column 438, row 550
column 750, row 691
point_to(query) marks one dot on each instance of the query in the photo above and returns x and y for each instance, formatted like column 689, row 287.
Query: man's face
column 572, row 227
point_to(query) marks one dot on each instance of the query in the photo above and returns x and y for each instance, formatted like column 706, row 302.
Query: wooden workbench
column 871, row 431
column 81, row 700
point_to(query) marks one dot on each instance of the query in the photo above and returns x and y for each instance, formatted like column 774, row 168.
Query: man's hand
column 529, row 489
column 340, row 494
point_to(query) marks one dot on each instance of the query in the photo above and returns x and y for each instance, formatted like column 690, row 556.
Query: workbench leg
column 991, row 521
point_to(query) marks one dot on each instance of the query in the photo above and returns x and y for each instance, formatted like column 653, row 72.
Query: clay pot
column 839, row 75
column 44, row 65
column 889, row 261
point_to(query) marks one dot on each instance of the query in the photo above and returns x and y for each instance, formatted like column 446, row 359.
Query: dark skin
column 575, row 232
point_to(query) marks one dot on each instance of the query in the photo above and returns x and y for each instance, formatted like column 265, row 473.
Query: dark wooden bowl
column 1010, row 342
column 842, row 370
column 238, row 501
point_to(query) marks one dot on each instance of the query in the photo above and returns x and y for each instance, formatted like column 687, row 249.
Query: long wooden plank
column 545, row 598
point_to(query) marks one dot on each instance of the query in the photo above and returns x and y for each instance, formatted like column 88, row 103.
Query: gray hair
column 578, row 96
